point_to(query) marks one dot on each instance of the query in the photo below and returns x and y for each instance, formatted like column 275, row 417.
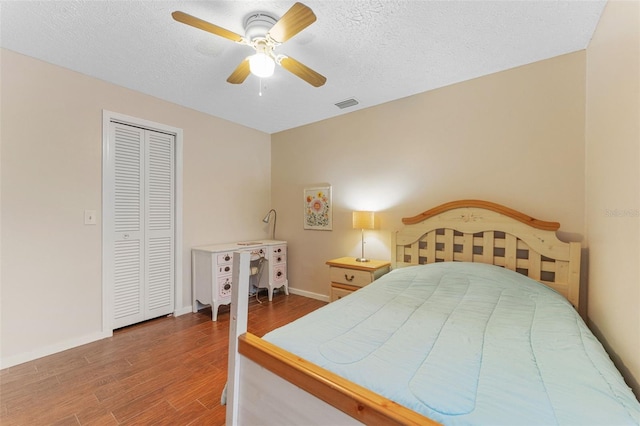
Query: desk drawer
column 350, row 276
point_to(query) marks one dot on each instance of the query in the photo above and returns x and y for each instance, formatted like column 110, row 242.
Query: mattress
column 467, row 343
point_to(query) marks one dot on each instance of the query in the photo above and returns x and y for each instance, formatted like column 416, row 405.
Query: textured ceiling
column 375, row 50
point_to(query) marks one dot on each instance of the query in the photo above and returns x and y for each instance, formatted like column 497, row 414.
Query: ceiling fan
column 264, row 33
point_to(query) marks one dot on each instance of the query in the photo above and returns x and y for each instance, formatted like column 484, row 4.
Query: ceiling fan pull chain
column 259, row 86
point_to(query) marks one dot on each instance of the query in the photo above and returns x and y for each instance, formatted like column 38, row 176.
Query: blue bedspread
column 466, row 343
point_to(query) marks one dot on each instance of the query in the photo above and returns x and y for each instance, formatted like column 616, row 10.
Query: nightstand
column 348, row 275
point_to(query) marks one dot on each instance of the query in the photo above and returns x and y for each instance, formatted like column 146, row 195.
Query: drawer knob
column 227, row 269
column 346, row 277
column 227, row 257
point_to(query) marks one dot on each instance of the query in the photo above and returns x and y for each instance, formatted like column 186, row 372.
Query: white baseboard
column 182, row 311
column 317, row 296
column 10, row 361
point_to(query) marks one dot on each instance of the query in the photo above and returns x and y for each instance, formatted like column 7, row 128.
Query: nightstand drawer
column 339, row 292
column 350, row 276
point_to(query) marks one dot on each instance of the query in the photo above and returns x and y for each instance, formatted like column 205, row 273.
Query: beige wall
column 515, row 138
column 613, row 185
column 51, row 157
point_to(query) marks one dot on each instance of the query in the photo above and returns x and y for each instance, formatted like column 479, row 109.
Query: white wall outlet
column 89, row 217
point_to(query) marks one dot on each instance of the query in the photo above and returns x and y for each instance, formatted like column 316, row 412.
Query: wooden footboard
column 360, row 403
column 270, row 385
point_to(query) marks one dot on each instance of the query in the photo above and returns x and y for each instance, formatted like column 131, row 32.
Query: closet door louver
column 143, row 221
column 128, row 143
column 160, row 224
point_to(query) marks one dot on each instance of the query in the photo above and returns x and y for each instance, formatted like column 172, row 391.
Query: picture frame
column 318, row 208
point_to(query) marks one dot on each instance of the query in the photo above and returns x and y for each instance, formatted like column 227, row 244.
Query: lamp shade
column 261, row 65
column 363, row 220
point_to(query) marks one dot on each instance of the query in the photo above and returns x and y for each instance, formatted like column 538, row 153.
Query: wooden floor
column 167, row 371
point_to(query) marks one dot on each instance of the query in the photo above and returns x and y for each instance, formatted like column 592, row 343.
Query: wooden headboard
column 481, row 231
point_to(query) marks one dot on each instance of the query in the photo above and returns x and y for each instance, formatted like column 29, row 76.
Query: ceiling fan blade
column 240, row 74
column 303, row 71
column 206, row 26
column 292, row 22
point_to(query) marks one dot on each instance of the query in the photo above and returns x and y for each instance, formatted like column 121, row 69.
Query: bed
column 477, row 323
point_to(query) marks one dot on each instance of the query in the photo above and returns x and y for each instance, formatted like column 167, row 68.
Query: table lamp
column 362, row 221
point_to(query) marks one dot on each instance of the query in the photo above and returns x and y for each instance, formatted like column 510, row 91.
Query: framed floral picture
column 318, row 208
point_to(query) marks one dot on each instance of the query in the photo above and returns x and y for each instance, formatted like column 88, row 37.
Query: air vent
column 347, row 103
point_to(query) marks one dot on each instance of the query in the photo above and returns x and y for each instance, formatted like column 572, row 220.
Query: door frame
column 107, row 208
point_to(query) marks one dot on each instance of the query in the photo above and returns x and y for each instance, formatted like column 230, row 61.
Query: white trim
column 177, row 305
column 107, row 196
column 10, row 361
column 107, row 295
column 317, row 296
column 183, row 311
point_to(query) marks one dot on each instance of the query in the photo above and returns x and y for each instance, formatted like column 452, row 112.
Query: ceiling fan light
column 261, row 65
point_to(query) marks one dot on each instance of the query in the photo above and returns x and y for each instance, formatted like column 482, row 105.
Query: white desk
column 211, row 271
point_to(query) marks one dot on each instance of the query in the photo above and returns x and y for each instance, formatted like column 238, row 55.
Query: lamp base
column 362, row 259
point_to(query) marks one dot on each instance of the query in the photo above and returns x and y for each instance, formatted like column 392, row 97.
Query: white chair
column 256, row 266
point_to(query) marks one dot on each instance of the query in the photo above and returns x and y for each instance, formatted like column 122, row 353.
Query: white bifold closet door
column 143, row 164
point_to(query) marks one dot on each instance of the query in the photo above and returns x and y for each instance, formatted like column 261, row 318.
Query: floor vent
column 347, row 103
